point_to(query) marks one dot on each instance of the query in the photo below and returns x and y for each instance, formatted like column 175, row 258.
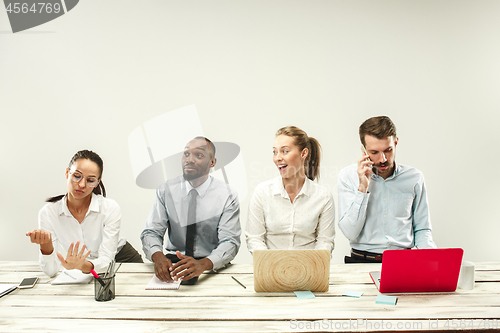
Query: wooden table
column 218, row 304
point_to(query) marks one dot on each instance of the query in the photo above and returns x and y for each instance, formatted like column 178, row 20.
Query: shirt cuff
column 99, row 267
column 324, row 246
column 216, row 262
column 362, row 198
column 49, row 263
column 48, row 257
column 153, row 250
column 255, row 247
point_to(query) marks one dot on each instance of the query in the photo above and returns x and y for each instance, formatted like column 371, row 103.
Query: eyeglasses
column 77, row 177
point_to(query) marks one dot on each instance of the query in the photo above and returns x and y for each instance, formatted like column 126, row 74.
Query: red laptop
column 418, row 270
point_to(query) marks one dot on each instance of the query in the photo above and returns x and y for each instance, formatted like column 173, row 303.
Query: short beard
column 190, row 177
column 196, row 175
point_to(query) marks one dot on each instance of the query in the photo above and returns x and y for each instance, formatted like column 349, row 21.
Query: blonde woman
column 292, row 211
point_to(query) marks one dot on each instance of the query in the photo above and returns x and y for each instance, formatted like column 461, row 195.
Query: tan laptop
column 291, row 270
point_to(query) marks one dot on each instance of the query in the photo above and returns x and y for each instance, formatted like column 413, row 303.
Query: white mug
column 466, row 277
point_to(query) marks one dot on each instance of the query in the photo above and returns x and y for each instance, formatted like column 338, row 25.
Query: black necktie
column 191, row 228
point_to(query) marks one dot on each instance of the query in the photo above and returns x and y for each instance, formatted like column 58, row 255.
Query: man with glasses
column 382, row 204
column 200, row 215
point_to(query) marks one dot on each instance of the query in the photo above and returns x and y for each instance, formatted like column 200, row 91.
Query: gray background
column 88, row 78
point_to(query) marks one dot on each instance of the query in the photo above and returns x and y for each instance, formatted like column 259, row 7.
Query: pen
column 71, row 276
column 108, row 270
column 97, row 277
column 116, row 270
column 111, row 268
column 241, row 284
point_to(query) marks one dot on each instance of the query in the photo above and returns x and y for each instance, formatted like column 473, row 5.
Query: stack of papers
column 74, row 276
column 157, row 284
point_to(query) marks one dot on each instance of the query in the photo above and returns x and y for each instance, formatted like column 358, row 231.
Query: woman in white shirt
column 83, row 216
column 292, row 211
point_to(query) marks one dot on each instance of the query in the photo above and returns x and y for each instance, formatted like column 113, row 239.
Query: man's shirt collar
column 202, row 189
column 397, row 171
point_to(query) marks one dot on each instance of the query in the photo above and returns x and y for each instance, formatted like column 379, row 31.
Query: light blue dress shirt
column 394, row 214
column 217, row 221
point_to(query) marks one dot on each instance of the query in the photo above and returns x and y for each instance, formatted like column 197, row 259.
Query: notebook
column 418, row 270
column 73, row 276
column 157, row 284
column 291, row 270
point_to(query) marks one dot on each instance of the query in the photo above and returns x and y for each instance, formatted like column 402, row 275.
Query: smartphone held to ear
column 28, row 282
column 363, row 149
column 371, row 166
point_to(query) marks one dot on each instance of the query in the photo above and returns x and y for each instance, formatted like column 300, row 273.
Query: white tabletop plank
column 227, row 289
column 206, row 311
column 255, row 308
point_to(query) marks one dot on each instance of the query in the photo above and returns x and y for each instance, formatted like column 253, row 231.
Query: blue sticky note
column 356, row 294
column 383, row 299
column 304, row 294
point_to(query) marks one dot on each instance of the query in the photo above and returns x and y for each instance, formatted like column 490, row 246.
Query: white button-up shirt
column 99, row 231
column 274, row 222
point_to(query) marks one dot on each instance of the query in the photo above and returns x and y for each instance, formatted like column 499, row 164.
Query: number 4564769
column 40, row 7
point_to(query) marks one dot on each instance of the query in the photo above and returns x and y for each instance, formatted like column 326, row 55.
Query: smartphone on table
column 28, row 282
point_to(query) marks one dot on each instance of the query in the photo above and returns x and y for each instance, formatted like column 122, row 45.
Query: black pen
column 241, row 284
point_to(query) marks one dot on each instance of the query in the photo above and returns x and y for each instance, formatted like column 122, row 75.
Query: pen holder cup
column 105, row 291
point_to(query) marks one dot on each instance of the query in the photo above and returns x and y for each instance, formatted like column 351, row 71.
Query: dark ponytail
column 99, row 189
column 311, row 164
column 86, row 155
column 56, row 198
